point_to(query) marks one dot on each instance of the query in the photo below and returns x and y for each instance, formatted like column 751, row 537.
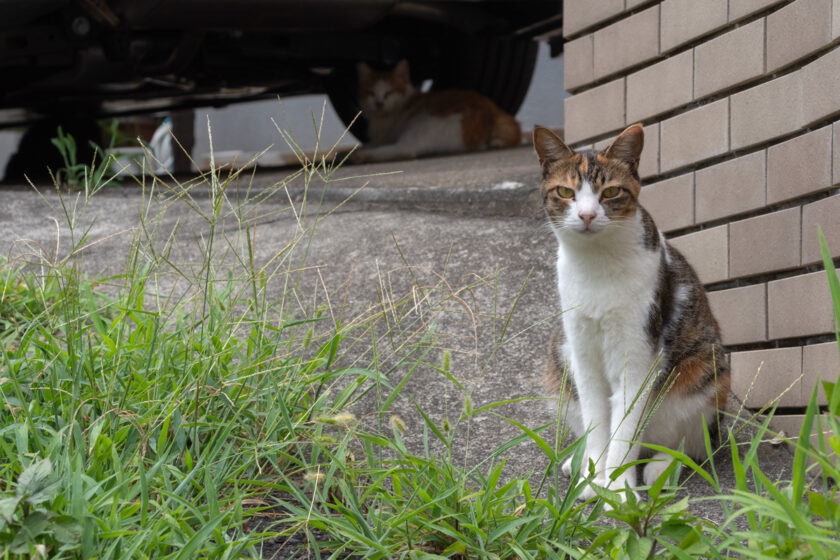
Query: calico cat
column 638, row 340
column 404, row 123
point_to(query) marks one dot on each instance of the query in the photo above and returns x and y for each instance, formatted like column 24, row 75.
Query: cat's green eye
column 565, row 192
column 610, row 192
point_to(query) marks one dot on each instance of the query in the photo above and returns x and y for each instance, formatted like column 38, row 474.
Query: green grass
column 178, row 410
column 139, row 422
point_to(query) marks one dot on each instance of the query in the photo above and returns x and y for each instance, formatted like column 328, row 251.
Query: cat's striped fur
column 637, row 348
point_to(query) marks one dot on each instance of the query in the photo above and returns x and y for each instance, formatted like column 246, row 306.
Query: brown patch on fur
column 584, row 165
column 689, row 375
column 719, row 398
column 506, row 131
column 556, row 366
column 483, row 123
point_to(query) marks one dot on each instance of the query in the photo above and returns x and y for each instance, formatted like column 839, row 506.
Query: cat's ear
column 628, row 146
column 550, row 147
column 402, row 72
column 363, row 71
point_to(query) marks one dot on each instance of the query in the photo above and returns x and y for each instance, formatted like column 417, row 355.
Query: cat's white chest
column 601, row 286
column 606, row 300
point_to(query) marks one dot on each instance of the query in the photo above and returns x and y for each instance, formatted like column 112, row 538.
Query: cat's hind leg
column 679, row 422
column 655, row 466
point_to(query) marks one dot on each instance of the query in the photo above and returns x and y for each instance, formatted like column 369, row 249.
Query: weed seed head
column 316, row 477
column 344, row 419
column 397, row 423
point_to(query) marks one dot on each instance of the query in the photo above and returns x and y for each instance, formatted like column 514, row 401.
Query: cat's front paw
column 653, row 471
column 585, row 465
column 567, row 467
column 588, row 492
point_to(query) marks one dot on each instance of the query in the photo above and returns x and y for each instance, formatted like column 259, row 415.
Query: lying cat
column 404, row 123
column 638, row 340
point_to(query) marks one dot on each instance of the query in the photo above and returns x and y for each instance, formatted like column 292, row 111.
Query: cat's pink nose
column 587, row 217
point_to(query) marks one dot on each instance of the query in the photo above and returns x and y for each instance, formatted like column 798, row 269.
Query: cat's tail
column 506, row 132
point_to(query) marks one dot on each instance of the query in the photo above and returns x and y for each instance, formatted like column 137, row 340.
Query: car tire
column 342, row 91
column 501, row 69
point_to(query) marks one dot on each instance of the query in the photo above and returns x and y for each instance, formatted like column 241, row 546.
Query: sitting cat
column 637, row 338
column 404, row 123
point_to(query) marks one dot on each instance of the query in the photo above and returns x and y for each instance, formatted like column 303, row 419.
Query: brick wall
column 741, row 105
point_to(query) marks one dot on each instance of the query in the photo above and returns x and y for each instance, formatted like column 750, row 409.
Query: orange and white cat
column 404, row 123
column 637, row 338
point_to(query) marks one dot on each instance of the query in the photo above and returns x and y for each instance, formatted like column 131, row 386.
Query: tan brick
column 820, row 87
column 694, row 136
column 594, row 111
column 659, row 88
column 706, row 251
column 741, row 313
column 761, row 377
column 577, row 62
column 670, row 202
column 685, row 20
column 730, row 187
column 835, row 20
column 786, row 425
column 799, row 166
column 739, row 9
column 823, row 214
column 649, row 164
column 630, row 4
column 766, row 111
column 627, row 42
column 790, row 426
column 715, row 67
column 835, row 156
column 799, row 306
column 580, row 14
column 764, row 243
column 796, row 31
column 820, row 362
